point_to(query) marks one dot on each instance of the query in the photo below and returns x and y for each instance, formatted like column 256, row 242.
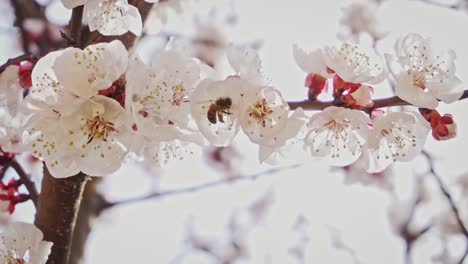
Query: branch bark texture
column 57, row 210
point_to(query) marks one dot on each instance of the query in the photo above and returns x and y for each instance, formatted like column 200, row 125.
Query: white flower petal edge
column 85, row 72
column 247, row 64
column 423, row 75
column 113, row 17
column 45, row 89
column 310, row 62
column 337, row 134
column 282, row 142
column 11, row 92
column 354, row 65
column 215, row 105
column 396, row 136
column 23, row 243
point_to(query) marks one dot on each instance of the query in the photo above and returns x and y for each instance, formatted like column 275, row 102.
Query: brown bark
column 378, row 103
column 91, row 207
column 56, row 214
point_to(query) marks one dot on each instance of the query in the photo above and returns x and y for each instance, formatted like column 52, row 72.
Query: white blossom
column 157, row 96
column 264, row 114
column 23, row 243
column 361, row 17
column 357, row 173
column 93, row 137
column 396, row 136
column 310, row 62
column 423, row 75
column 337, row 134
column 85, row 72
column 72, row 128
column 354, row 65
column 109, row 17
column 12, row 116
column 11, row 92
column 159, row 14
column 247, row 64
column 216, row 108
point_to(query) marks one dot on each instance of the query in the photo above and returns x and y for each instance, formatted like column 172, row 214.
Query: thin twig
column 379, row 103
column 442, row 5
column 25, row 179
column 75, row 25
column 450, row 200
column 16, row 60
column 200, row 187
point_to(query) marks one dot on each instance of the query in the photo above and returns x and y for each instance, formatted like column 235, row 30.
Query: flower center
column 396, row 142
column 355, row 59
column 422, row 68
column 336, row 136
column 99, row 128
column 178, row 94
column 261, row 112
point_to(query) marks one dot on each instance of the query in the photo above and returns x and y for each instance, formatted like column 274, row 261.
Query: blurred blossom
column 361, row 17
column 159, row 14
column 357, row 173
column 225, row 159
column 209, row 41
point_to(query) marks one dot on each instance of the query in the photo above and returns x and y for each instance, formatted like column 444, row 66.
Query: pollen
column 98, row 128
column 261, row 112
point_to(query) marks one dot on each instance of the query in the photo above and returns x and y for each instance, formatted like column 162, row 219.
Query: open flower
column 354, row 65
column 396, row 136
column 157, row 96
column 423, row 75
column 338, row 134
column 23, row 243
column 72, row 128
column 109, row 17
column 215, row 106
column 263, row 114
column 93, row 137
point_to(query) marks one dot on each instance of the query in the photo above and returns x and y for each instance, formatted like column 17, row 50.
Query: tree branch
column 76, row 26
column 19, row 22
column 378, row 103
column 16, row 60
column 199, row 187
column 25, row 179
column 57, row 210
column 450, row 200
column 450, row 6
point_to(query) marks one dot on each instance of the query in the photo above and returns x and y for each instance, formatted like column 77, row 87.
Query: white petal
column 114, row 17
column 309, row 62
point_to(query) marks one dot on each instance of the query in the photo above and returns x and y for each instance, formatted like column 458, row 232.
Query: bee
column 218, row 108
